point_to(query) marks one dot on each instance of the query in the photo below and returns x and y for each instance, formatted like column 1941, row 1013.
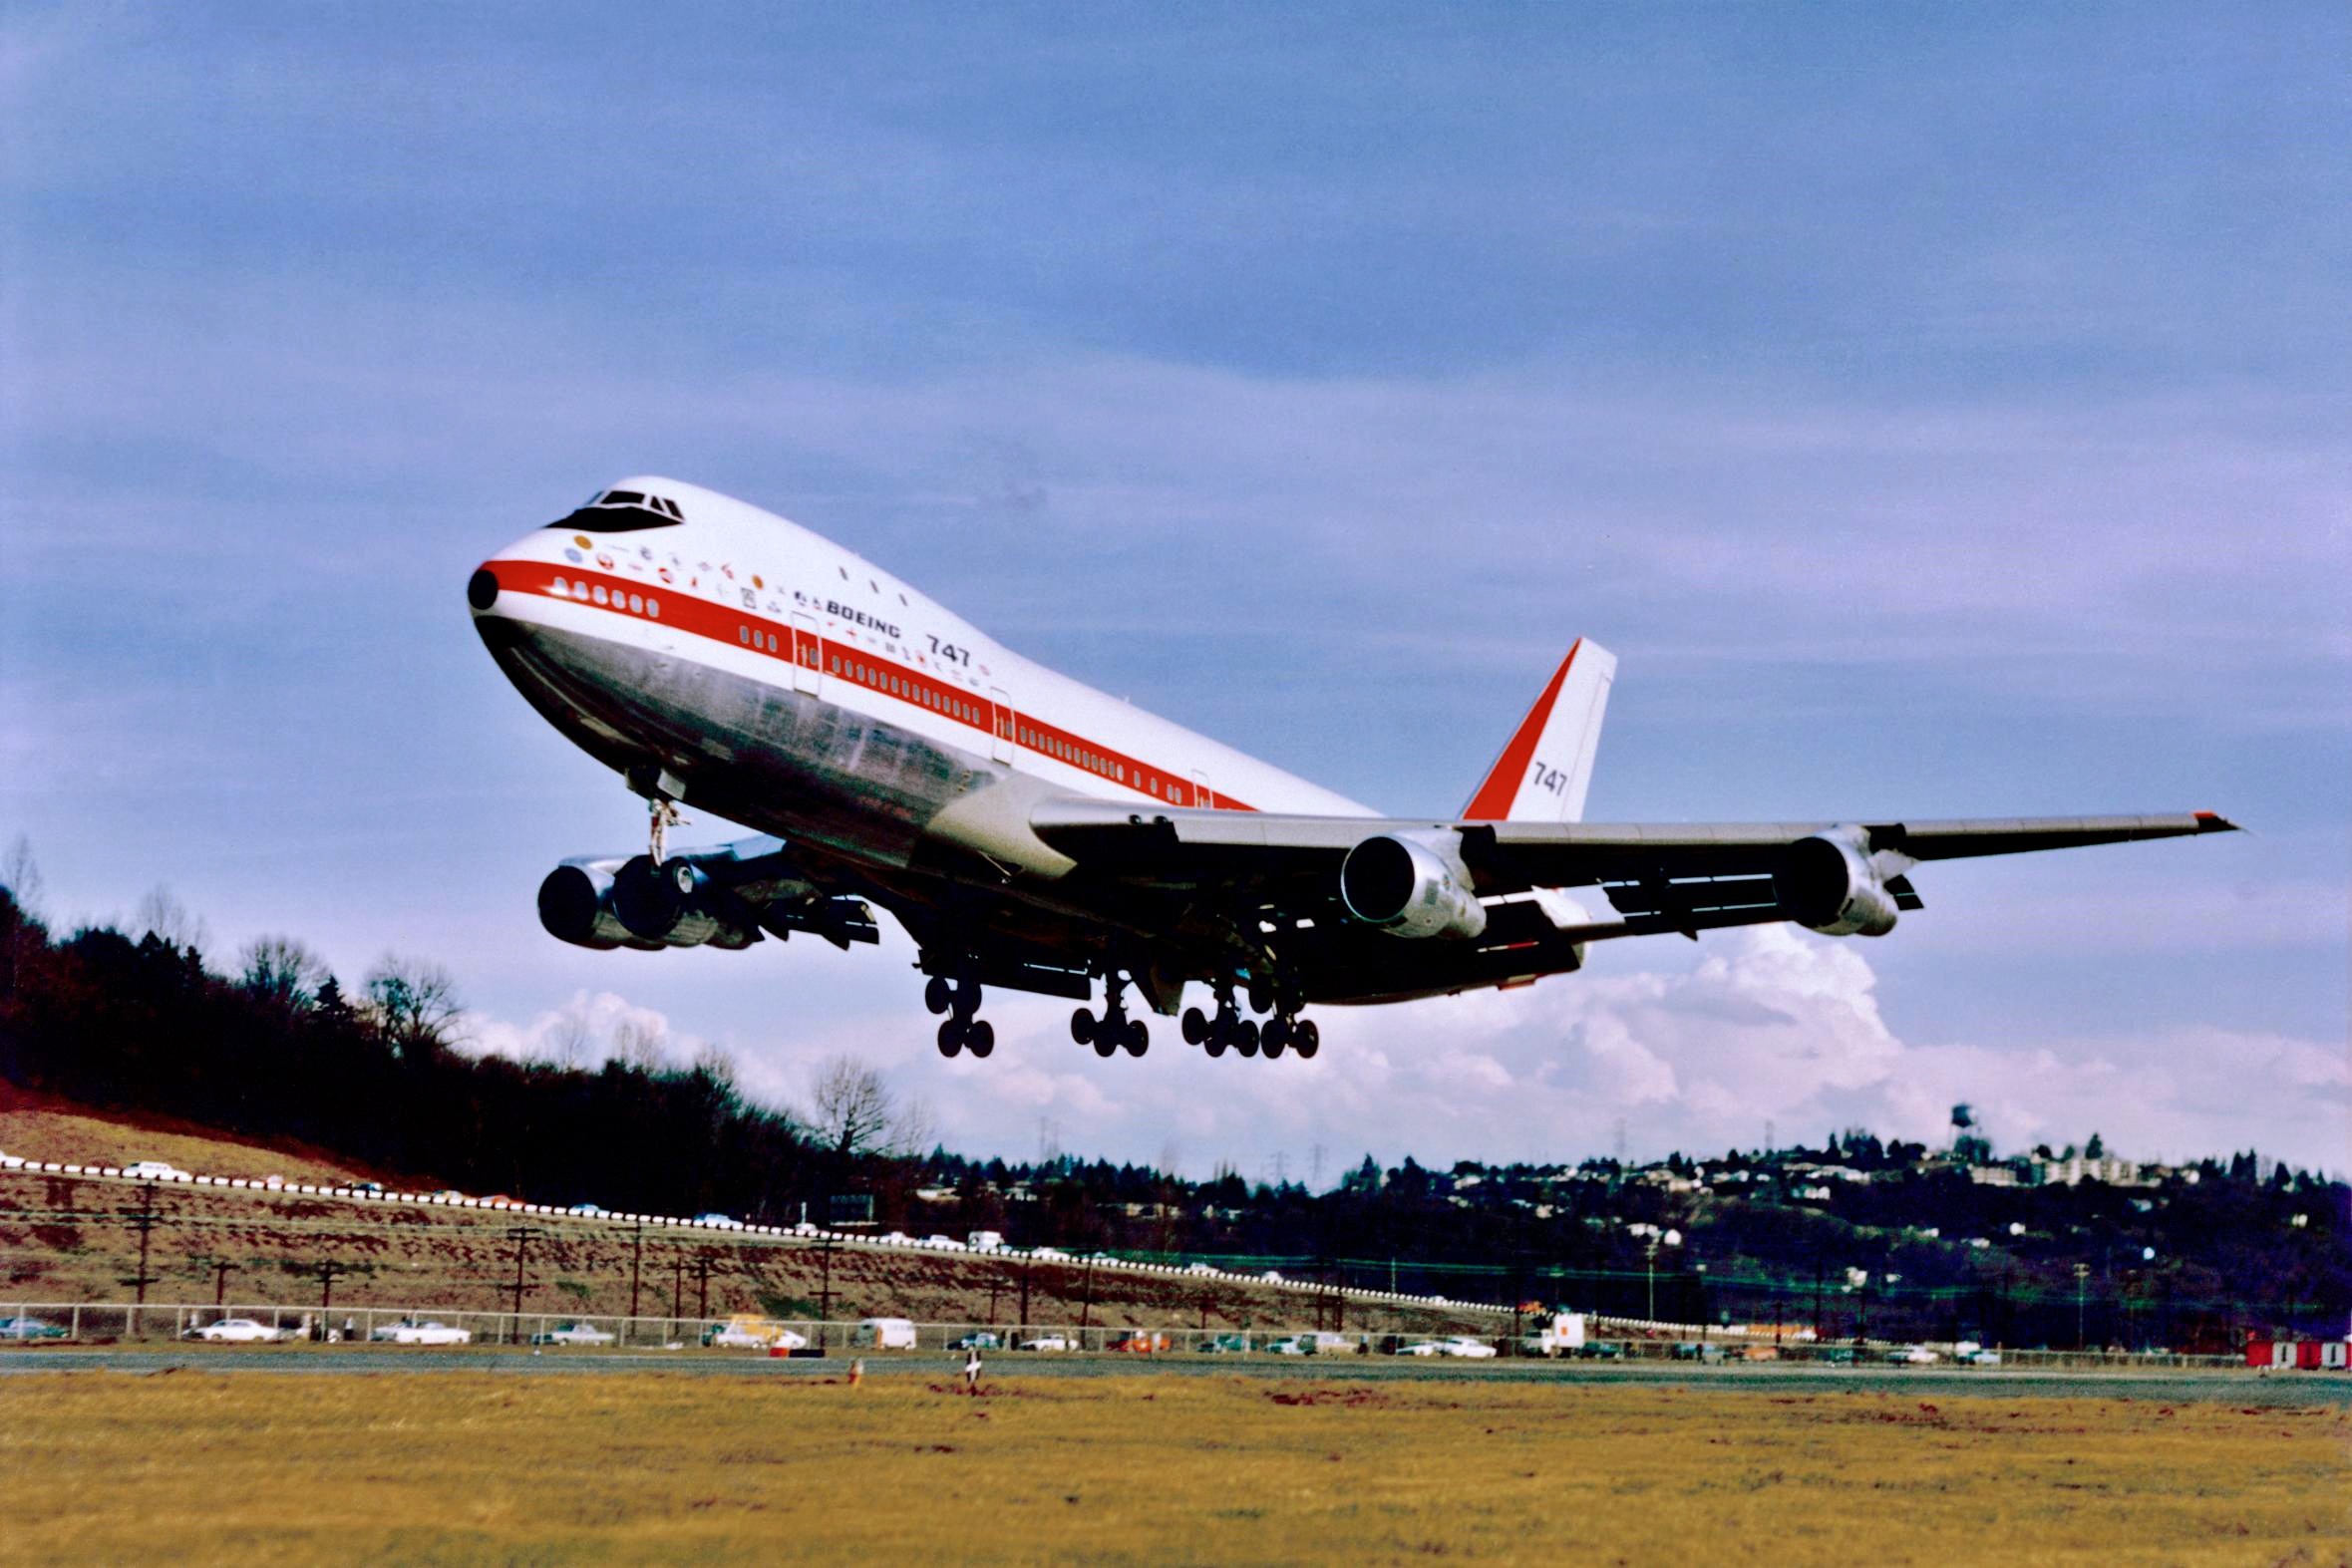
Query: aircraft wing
column 1656, row 877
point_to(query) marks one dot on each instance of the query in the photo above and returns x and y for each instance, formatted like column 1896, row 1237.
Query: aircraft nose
column 482, row 590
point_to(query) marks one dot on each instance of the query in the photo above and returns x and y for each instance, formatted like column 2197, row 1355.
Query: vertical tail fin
column 1546, row 765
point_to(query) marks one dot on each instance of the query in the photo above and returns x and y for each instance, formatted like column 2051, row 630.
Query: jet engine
column 1409, row 889
column 1829, row 884
column 639, row 904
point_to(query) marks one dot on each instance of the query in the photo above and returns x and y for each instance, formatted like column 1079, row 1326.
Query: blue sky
column 1940, row 413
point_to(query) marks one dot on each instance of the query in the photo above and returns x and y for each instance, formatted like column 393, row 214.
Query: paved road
column 2170, row 1385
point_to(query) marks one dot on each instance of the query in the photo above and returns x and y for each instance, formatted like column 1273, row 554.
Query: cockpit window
column 622, row 512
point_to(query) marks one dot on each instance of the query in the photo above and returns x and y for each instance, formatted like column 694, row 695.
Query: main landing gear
column 960, row 1031
column 1227, row 1030
column 1114, row 1030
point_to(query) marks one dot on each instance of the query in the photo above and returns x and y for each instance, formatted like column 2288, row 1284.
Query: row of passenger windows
column 899, row 686
column 586, row 593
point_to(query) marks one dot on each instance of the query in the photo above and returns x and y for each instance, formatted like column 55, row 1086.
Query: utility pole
column 2082, row 1292
column 221, row 1273
column 703, row 1264
column 677, row 1288
column 521, row 1236
column 142, row 1219
column 824, row 1288
column 636, row 1264
column 995, row 1285
column 327, row 1274
column 1024, row 1323
column 1650, row 1267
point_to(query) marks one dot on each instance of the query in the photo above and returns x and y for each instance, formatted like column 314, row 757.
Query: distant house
column 2079, row 1169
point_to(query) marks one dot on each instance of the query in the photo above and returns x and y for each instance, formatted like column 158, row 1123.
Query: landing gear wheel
column 1106, row 1040
column 1082, row 1027
column 1245, row 1037
column 1274, row 1036
column 1195, row 1026
column 979, row 1037
column 1306, row 1040
column 938, row 996
column 1214, row 1042
column 1138, row 1038
column 1261, row 997
column 951, row 1037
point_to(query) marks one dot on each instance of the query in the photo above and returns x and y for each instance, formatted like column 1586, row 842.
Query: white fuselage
column 750, row 595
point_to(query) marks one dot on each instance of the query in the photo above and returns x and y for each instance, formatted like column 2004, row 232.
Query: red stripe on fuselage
column 666, row 604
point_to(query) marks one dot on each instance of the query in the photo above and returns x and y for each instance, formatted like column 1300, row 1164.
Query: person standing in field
column 972, row 1371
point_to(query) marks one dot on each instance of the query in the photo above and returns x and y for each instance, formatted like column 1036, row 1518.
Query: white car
column 154, row 1171
column 723, row 1221
column 572, row 1334
column 1046, row 1252
column 1423, row 1348
column 238, row 1331
column 1912, row 1356
column 1047, row 1342
column 1294, row 1345
column 1468, row 1348
column 589, row 1210
column 413, row 1330
column 948, row 1243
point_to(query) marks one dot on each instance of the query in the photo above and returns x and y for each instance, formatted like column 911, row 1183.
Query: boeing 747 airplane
column 1031, row 832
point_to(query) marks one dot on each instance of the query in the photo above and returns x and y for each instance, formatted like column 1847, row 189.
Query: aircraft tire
column 1261, row 997
column 1106, row 1040
column 1138, row 1038
column 1272, row 1042
column 1082, row 1027
column 937, row 995
column 981, row 1036
column 1214, row 1041
column 1245, row 1037
column 951, row 1037
column 1195, row 1026
column 1307, row 1040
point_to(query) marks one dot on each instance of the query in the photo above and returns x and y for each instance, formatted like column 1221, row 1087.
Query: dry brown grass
column 466, row 1468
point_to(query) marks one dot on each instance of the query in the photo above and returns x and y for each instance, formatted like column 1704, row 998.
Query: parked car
column 1422, row 1348
column 1047, row 1342
column 367, row 1186
column 154, row 1171
column 1050, row 1253
column 1293, row 1344
column 24, row 1329
column 1601, row 1350
column 984, row 1240
column 948, row 1242
column 723, row 1221
column 590, row 1210
column 980, row 1340
column 449, row 1196
column 238, row 1331
column 1141, row 1342
column 1912, row 1356
column 1200, row 1268
column 1227, row 1344
column 1835, row 1355
column 1463, row 1345
column 425, row 1331
column 573, row 1333
column 1697, row 1350
column 1980, row 1356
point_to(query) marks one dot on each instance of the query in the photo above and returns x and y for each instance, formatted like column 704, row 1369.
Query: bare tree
column 637, row 1043
column 281, row 970
column 163, row 917
column 852, row 1111
column 716, row 1062
column 568, row 1041
column 415, row 1003
column 21, row 876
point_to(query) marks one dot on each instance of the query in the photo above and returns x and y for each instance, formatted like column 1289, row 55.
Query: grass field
column 629, row 1467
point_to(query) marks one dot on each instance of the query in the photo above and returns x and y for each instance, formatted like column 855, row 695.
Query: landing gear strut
column 1114, row 1029
column 961, row 1031
column 1227, row 1030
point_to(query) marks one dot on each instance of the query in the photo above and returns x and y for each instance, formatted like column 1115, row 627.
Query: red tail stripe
column 1492, row 802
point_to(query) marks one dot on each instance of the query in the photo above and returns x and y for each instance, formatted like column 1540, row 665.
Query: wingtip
column 2215, row 823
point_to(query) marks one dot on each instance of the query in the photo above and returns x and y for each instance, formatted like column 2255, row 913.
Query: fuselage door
column 807, row 654
column 1203, row 797
column 1001, row 744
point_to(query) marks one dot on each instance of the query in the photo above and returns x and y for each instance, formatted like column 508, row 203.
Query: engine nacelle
column 640, row 905
column 1829, row 884
column 1409, row 889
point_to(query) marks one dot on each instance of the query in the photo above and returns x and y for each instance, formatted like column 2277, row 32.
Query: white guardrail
column 804, row 1233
